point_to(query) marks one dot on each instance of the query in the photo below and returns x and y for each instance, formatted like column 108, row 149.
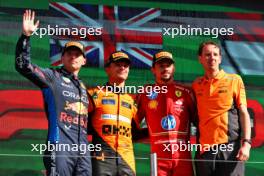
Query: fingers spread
column 29, row 14
column 33, row 15
column 37, row 24
column 24, row 16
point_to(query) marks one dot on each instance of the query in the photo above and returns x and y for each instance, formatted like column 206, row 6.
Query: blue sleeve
column 40, row 77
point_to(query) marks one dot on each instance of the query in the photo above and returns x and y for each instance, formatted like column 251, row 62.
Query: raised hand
column 28, row 23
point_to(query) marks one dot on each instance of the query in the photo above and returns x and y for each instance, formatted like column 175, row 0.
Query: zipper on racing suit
column 117, row 126
column 76, row 82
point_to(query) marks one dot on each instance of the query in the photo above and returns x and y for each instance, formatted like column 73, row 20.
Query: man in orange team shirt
column 223, row 115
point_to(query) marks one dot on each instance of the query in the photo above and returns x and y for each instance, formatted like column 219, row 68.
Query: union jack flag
column 132, row 30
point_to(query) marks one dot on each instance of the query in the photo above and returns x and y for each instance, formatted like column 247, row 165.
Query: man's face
column 163, row 71
column 73, row 60
column 118, row 71
column 210, row 58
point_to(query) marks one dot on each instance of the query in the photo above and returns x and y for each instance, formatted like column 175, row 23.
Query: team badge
column 126, row 104
column 67, row 80
column 153, row 95
column 153, row 104
column 95, row 95
column 82, row 85
column 178, row 93
column 108, row 101
column 179, row 102
column 168, row 122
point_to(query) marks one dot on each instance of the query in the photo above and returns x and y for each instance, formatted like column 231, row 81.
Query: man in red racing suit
column 168, row 109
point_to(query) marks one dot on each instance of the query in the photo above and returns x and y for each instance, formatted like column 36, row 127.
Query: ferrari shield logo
column 178, row 93
column 67, row 80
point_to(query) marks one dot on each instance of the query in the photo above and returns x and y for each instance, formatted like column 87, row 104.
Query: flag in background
column 139, row 32
column 122, row 28
column 243, row 53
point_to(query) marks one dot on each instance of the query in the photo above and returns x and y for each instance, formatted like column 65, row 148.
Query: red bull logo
column 64, row 117
column 77, row 107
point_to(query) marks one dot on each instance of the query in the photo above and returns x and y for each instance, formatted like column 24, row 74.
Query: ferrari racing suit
column 168, row 115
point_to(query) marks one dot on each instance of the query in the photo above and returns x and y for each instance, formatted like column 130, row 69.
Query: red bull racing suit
column 168, row 115
column 66, row 104
column 111, row 121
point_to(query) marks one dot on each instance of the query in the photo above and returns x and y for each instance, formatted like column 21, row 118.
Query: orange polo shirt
column 218, row 100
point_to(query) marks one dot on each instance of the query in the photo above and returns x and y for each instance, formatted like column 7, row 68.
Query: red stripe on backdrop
column 19, row 107
column 259, row 31
column 109, row 40
column 109, row 13
column 245, row 16
column 246, row 34
column 132, row 36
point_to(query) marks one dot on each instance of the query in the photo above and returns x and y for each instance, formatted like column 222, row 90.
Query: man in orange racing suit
column 168, row 110
column 111, row 119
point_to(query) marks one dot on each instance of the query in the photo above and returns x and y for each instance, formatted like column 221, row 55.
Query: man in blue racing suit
column 66, row 104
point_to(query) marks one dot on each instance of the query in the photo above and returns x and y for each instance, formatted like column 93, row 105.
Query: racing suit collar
column 68, row 74
column 166, row 84
column 219, row 75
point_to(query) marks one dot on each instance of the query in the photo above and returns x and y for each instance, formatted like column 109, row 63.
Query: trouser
column 111, row 167
column 216, row 162
column 58, row 163
column 175, row 167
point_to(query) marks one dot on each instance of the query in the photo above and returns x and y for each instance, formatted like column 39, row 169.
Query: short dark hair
column 203, row 44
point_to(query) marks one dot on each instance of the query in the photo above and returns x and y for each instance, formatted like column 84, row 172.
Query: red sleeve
column 140, row 110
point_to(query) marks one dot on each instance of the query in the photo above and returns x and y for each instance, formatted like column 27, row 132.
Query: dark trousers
column 220, row 163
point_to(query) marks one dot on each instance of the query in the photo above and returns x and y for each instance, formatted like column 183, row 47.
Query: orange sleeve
column 239, row 92
column 91, row 106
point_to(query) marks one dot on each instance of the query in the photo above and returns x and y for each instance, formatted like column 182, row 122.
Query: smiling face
column 210, row 58
column 117, row 71
column 163, row 71
column 73, row 60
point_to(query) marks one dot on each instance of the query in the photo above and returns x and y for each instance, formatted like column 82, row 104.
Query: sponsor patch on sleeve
column 108, row 101
column 126, row 105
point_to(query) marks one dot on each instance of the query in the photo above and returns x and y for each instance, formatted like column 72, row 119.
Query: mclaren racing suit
column 168, row 115
column 111, row 122
column 66, row 104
